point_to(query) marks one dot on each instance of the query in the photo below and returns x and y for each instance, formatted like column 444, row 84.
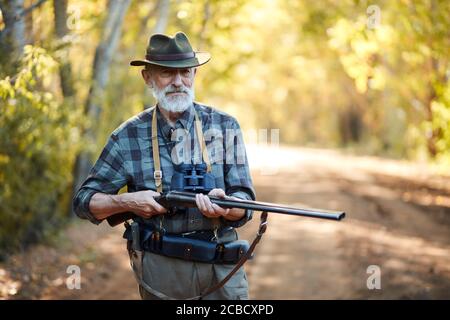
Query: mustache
column 175, row 90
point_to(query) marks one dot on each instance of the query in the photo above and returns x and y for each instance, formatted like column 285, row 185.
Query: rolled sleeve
column 81, row 205
column 107, row 176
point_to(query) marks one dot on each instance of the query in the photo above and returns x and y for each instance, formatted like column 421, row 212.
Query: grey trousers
column 182, row 279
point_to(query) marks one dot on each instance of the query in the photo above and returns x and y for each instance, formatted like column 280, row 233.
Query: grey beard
column 175, row 103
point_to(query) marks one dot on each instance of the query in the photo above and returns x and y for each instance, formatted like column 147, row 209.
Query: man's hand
column 212, row 210
column 143, row 203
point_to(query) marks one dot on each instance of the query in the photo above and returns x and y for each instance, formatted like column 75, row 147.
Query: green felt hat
column 172, row 52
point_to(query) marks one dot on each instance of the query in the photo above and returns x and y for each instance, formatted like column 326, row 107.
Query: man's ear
column 146, row 75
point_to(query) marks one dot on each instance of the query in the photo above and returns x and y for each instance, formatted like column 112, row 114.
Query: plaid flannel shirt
column 127, row 159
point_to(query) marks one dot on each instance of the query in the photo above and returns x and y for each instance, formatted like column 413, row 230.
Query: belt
column 198, row 246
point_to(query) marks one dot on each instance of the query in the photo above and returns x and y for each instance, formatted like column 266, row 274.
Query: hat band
column 173, row 56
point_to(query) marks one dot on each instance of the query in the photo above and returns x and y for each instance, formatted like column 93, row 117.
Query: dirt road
column 398, row 220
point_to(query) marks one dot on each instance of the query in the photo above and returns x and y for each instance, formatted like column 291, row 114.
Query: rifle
column 181, row 199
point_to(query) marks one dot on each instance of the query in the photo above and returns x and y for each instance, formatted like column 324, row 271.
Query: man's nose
column 177, row 80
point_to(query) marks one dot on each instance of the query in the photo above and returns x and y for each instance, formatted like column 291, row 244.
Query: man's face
column 172, row 87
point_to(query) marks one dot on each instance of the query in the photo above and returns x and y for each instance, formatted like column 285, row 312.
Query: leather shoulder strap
column 157, row 174
column 201, row 140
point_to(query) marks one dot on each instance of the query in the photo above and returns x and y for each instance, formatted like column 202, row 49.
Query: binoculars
column 192, row 178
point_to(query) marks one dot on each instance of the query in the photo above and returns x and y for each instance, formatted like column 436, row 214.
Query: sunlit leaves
column 36, row 149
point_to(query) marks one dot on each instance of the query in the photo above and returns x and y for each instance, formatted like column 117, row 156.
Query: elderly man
column 146, row 151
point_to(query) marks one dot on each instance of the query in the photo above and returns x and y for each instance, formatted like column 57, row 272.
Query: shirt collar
column 185, row 122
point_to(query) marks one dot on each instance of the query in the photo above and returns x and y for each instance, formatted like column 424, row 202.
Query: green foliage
column 37, row 147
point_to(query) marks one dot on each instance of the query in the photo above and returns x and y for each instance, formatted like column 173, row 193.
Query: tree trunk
column 16, row 34
column 61, row 31
column 432, row 136
column 103, row 56
column 62, row 34
column 202, row 33
column 12, row 37
column 29, row 31
column 163, row 10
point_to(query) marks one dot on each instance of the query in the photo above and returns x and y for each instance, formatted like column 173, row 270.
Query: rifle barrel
column 186, row 199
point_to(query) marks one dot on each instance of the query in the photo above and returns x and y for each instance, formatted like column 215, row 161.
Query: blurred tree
column 35, row 163
column 103, row 55
column 163, row 16
column 62, row 33
column 12, row 37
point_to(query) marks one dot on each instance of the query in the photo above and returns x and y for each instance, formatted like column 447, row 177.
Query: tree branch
column 30, row 8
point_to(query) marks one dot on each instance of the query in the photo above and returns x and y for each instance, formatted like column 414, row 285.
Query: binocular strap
column 157, row 174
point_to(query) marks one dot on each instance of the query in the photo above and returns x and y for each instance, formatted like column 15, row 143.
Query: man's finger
column 204, row 207
column 143, row 214
column 199, row 202
column 209, row 210
column 217, row 193
column 209, row 205
column 157, row 207
column 219, row 209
